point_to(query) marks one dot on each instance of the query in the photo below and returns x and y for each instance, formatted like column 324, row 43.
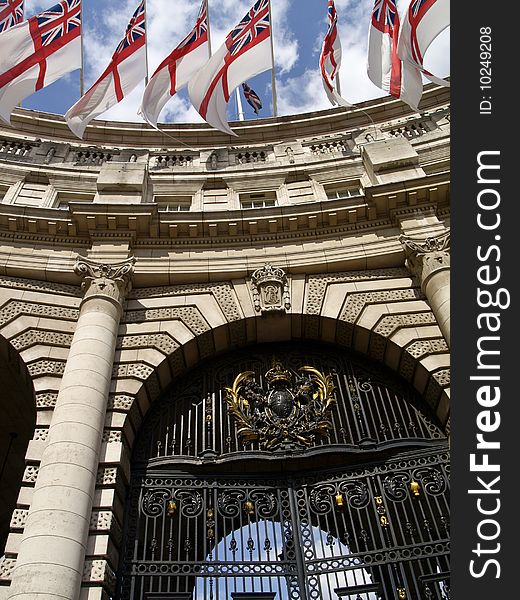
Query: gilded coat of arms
column 292, row 412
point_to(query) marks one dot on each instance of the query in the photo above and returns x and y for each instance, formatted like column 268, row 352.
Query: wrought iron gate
column 291, row 524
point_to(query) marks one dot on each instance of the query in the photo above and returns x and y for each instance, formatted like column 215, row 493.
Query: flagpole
column 209, row 32
column 240, row 108
column 146, row 41
column 81, row 71
column 273, row 74
column 338, row 84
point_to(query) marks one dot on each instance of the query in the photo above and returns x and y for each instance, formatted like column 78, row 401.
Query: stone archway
column 17, row 425
column 367, row 448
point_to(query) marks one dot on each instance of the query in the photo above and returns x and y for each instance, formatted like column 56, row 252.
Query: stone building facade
column 129, row 259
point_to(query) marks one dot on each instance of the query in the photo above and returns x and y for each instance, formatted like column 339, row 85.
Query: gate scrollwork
column 190, row 502
column 266, row 503
column 229, row 503
column 395, row 487
column 356, row 493
column 153, row 502
column 431, row 480
column 321, row 497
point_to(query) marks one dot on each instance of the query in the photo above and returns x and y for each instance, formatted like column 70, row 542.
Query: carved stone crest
column 270, row 289
column 291, row 411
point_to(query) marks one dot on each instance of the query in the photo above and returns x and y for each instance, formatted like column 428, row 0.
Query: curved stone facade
column 311, row 227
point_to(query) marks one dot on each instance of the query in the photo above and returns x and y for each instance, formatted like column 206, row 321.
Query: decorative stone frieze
column 112, row 437
column 270, row 288
column 19, row 518
column 98, row 571
column 46, row 400
column 106, row 476
column 14, row 308
column 7, row 566
column 41, row 368
column 120, row 402
column 160, row 341
column 389, row 324
column 39, row 286
column 189, row 315
column 30, row 474
column 355, row 303
column 317, row 284
column 45, row 338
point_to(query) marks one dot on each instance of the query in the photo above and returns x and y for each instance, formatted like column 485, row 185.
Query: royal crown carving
column 290, row 411
column 270, row 290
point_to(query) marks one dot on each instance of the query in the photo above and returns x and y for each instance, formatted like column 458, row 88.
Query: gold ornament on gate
column 339, row 501
column 415, row 488
column 249, row 508
column 171, row 508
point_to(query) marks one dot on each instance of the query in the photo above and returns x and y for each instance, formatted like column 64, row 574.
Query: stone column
column 429, row 261
column 52, row 550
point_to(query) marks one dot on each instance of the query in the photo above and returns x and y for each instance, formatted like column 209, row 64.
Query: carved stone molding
column 426, row 257
column 270, row 290
column 112, row 281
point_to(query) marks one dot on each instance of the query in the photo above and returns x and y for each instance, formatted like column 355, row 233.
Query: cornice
column 137, row 135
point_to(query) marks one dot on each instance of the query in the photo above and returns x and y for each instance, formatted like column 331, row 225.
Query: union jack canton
column 384, row 16
column 253, row 29
column 199, row 32
column 57, row 22
column 135, row 31
column 416, row 11
column 11, row 13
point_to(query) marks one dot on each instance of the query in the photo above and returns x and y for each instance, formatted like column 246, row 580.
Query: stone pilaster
column 429, row 261
column 50, row 562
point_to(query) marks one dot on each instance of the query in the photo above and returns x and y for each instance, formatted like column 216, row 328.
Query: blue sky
column 299, row 27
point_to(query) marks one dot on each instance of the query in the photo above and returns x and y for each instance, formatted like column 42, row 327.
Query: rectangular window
column 258, row 200
column 342, row 192
column 173, row 203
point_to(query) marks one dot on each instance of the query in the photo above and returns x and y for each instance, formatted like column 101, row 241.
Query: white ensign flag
column 245, row 53
column 37, row 52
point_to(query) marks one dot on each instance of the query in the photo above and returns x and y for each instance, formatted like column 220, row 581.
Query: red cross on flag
column 11, row 13
column 423, row 22
column 125, row 71
column 37, row 52
column 177, row 68
column 385, row 68
column 245, row 53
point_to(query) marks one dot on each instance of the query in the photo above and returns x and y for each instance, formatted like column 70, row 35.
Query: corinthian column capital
column 112, row 281
column 427, row 256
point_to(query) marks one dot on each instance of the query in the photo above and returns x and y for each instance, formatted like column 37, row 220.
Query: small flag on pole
column 125, row 71
column 11, row 13
column 37, row 52
column 252, row 98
